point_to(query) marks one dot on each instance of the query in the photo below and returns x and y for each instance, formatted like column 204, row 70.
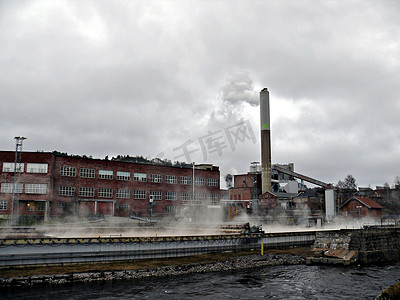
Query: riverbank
column 215, row 262
column 390, row 293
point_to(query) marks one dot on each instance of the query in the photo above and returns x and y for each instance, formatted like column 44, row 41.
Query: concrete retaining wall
column 371, row 244
column 376, row 245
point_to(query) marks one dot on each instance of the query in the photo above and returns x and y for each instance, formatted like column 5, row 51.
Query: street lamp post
column 193, row 182
column 17, row 170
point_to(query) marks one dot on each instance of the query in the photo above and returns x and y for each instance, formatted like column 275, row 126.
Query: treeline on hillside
column 133, row 159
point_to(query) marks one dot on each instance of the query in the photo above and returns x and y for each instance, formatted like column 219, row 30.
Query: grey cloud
column 103, row 78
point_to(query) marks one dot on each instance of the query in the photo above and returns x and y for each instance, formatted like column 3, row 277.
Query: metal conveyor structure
column 300, row 176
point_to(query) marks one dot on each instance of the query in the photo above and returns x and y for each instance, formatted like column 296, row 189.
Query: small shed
column 358, row 207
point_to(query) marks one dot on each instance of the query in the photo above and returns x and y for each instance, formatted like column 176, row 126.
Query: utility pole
column 17, row 172
column 254, row 166
column 254, row 198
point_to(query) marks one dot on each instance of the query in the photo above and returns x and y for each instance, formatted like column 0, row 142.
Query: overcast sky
column 155, row 78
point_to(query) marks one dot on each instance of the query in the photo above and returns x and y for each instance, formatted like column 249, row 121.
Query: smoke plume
column 239, row 88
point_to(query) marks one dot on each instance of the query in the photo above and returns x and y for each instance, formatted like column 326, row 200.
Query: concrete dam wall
column 40, row 251
column 368, row 245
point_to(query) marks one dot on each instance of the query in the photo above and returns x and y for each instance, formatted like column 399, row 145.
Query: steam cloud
column 228, row 180
column 239, row 88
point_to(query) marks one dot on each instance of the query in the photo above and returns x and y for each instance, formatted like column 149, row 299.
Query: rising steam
column 237, row 92
column 239, row 88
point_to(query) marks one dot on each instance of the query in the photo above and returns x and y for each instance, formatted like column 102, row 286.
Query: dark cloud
column 106, row 78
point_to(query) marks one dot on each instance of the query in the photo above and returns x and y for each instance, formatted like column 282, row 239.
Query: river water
column 277, row 282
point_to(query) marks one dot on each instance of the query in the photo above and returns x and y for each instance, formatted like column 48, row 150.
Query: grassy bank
column 391, row 292
column 141, row 264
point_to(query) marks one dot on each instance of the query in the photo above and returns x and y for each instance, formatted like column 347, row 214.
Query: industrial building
column 288, row 202
column 248, row 186
column 267, row 189
column 50, row 184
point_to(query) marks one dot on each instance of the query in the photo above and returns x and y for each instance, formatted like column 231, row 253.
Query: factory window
column 139, row 177
column 186, row 180
column 213, row 198
column 65, row 206
column 122, row 207
column 66, row 191
column 105, row 174
column 199, row 181
column 123, row 176
column 36, row 206
column 171, row 179
column 86, row 191
column 3, row 205
column 170, row 209
column 36, row 168
column 125, row 194
column 156, row 178
column 199, row 196
column 9, row 167
column 186, row 196
column 7, row 187
column 105, row 193
column 68, row 171
column 36, row 188
column 170, row 196
column 139, row 194
column 212, row 182
column 87, row 173
column 157, row 195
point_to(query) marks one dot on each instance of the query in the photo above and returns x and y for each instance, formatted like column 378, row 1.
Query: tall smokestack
column 265, row 141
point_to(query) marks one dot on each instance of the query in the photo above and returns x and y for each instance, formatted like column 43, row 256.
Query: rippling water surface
column 279, row 282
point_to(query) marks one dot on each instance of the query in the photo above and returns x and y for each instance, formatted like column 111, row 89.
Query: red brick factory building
column 358, row 207
column 54, row 184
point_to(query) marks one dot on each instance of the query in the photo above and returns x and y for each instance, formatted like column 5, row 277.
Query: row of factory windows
column 30, row 206
column 169, row 209
column 30, row 188
column 108, row 174
column 67, row 206
column 119, row 208
column 157, row 178
column 20, row 167
column 69, row 191
column 64, row 206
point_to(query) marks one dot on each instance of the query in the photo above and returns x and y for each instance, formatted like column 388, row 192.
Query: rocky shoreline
column 391, row 292
column 240, row 262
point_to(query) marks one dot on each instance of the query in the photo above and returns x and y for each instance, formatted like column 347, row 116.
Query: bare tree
column 348, row 183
